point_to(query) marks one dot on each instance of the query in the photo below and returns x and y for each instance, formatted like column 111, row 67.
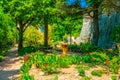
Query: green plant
column 115, row 35
column 86, row 78
column 97, row 73
column 1, row 57
column 50, row 63
column 25, row 68
column 28, row 49
column 87, row 58
column 33, row 36
column 56, row 78
column 81, row 72
column 114, row 64
column 88, row 47
column 114, row 77
column 26, row 76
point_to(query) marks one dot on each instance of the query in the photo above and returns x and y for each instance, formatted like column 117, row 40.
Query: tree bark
column 20, row 45
column 96, row 26
column 46, row 32
column 20, row 41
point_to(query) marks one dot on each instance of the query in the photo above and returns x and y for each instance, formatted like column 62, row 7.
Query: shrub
column 88, row 47
column 33, row 36
column 28, row 49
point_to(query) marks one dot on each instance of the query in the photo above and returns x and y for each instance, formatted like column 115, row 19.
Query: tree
column 87, row 8
column 23, row 13
column 49, row 10
column 26, row 12
column 7, row 36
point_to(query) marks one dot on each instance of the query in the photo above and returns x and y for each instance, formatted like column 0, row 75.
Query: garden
column 97, row 65
column 59, row 40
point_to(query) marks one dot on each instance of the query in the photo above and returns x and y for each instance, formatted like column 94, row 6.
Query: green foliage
column 86, row 78
column 51, row 63
column 26, row 76
column 87, row 58
column 84, row 48
column 115, row 35
column 1, row 57
column 56, row 78
column 99, row 57
column 7, row 30
column 97, row 73
column 25, row 68
column 114, row 64
column 81, row 72
column 33, row 36
column 114, row 77
column 74, row 48
column 26, row 50
column 63, row 28
column 88, row 47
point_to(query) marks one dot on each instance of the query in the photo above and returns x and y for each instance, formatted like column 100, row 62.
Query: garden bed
column 95, row 66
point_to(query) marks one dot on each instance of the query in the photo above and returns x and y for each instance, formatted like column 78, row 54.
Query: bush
column 26, row 50
column 33, row 36
column 88, row 47
column 7, row 31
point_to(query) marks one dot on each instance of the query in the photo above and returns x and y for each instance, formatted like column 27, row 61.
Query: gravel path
column 10, row 66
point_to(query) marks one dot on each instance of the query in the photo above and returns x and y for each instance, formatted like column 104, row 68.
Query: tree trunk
column 46, row 32
column 96, row 26
column 20, row 42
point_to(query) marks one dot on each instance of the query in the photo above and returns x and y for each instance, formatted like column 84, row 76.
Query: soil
column 70, row 73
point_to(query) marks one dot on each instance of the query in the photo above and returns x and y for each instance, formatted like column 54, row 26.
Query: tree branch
column 28, row 22
column 113, row 5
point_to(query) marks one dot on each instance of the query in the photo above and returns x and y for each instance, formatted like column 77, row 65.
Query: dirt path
column 10, row 66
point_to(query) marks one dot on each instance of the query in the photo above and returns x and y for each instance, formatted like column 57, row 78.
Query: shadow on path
column 10, row 66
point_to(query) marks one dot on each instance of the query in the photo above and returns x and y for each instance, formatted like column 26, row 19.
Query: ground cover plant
column 97, row 73
column 51, row 63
